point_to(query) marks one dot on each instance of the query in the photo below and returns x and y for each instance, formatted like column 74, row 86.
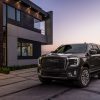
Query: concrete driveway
column 24, row 85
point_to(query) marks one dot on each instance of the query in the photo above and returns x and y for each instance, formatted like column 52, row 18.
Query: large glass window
column 39, row 25
column 11, row 12
column 18, row 15
column 25, row 49
column 36, row 23
column 14, row 13
column 42, row 27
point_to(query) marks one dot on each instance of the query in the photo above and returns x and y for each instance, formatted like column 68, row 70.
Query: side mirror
column 92, row 52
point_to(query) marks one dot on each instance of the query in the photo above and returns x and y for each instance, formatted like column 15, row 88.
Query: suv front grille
column 52, row 63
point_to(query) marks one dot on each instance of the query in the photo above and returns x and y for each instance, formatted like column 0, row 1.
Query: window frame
column 7, row 5
column 17, row 16
column 24, row 41
column 8, row 12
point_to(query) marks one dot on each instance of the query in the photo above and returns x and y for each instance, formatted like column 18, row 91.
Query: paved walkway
column 24, row 85
column 17, row 81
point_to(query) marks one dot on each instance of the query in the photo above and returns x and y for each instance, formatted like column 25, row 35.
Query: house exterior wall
column 15, row 32
column 24, row 29
column 49, row 28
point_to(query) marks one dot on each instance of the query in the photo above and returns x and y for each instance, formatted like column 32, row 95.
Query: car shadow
column 70, row 83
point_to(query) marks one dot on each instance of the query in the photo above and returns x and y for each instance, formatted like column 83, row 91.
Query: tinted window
column 74, row 48
column 90, row 47
column 95, row 47
column 11, row 12
column 99, row 47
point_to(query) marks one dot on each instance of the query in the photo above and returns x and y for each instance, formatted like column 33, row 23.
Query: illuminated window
column 25, row 49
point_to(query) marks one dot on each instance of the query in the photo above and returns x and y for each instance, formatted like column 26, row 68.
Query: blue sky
column 75, row 21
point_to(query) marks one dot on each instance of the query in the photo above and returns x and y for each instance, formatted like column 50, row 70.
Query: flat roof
column 34, row 6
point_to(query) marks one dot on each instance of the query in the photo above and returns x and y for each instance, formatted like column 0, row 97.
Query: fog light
column 70, row 74
column 75, row 73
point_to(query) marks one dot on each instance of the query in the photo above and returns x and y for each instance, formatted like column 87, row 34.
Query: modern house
column 24, row 27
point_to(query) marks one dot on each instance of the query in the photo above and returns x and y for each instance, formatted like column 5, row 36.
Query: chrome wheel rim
column 85, row 78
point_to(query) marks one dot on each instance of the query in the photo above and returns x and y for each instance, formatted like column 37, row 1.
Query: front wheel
column 84, row 77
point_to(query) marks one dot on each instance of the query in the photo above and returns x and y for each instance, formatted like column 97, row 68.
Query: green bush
column 13, row 68
column 4, row 70
column 7, row 69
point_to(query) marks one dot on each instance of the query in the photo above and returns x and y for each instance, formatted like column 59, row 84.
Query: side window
column 90, row 47
column 99, row 49
column 95, row 47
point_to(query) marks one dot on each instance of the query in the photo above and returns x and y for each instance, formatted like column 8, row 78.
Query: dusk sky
column 75, row 21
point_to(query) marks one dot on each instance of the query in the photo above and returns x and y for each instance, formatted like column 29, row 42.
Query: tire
column 84, row 77
column 45, row 80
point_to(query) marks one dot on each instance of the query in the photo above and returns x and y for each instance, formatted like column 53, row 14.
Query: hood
column 65, row 55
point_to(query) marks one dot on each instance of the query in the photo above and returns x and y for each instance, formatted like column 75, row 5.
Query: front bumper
column 64, row 75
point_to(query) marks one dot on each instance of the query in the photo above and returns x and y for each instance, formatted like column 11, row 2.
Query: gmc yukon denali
column 76, row 62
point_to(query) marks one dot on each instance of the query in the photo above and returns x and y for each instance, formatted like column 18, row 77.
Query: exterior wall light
column 6, row 0
column 28, row 10
column 18, row 4
column 37, row 14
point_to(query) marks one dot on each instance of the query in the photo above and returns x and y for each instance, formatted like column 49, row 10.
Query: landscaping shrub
column 4, row 70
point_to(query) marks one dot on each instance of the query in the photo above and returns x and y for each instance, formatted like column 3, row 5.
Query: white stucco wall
column 15, row 32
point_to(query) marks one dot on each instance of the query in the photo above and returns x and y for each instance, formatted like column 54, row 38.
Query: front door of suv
column 98, row 52
column 93, row 59
column 97, row 56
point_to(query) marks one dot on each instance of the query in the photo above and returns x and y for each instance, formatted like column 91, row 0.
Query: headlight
column 73, row 61
column 39, row 60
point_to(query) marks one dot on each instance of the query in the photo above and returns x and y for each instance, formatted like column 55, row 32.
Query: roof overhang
column 34, row 6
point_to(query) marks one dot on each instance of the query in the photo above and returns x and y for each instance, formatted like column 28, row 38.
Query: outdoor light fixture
column 19, row 1
column 37, row 14
column 18, row 4
column 7, row 0
column 28, row 10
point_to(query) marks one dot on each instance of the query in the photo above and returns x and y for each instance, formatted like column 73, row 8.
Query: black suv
column 73, row 61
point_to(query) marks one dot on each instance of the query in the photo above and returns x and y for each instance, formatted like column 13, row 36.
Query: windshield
column 74, row 48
